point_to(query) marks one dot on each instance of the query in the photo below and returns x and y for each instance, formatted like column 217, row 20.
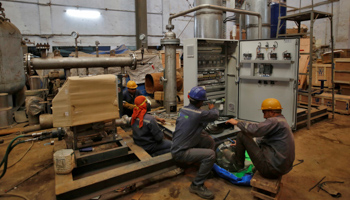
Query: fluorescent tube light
column 83, row 13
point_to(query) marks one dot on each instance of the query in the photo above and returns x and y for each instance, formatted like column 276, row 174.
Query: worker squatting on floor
column 274, row 154
column 191, row 144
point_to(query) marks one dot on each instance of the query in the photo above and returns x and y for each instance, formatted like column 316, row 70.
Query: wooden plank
column 271, row 185
column 137, row 150
column 303, row 65
column 305, row 45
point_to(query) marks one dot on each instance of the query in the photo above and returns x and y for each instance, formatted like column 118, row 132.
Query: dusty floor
column 325, row 150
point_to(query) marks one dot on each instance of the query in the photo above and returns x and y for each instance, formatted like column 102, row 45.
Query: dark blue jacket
column 149, row 134
column 189, row 126
column 130, row 99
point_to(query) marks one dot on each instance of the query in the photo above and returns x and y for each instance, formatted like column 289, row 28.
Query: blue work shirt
column 149, row 134
column 189, row 126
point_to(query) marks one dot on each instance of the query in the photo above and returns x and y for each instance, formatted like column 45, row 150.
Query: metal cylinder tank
column 11, row 58
column 208, row 23
column 262, row 7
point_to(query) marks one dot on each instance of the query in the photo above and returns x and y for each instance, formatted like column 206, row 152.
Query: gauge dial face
column 142, row 36
column 75, row 34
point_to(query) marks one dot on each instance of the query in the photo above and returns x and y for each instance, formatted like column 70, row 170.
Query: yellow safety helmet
column 131, row 85
column 271, row 104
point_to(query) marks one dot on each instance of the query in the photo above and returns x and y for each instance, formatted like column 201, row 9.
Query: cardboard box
column 84, row 100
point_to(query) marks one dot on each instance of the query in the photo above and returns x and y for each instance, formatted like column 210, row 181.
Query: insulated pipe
column 239, row 11
column 82, row 62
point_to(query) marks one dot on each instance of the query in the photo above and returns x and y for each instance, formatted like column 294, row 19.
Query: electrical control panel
column 271, row 73
column 239, row 75
column 210, row 63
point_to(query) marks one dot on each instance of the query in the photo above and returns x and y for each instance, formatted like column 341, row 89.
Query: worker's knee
column 211, row 155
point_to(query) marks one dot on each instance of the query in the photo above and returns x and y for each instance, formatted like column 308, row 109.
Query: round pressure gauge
column 142, row 37
column 75, row 34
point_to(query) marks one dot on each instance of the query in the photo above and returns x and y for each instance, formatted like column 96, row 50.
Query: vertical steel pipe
column 141, row 22
column 169, row 81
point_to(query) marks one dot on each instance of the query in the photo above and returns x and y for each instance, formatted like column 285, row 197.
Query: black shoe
column 201, row 191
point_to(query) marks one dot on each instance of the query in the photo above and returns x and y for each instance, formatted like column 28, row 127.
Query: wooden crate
column 345, row 89
column 342, row 70
column 314, row 100
column 322, row 72
column 178, row 61
column 341, row 103
column 263, row 188
column 327, row 57
column 159, row 95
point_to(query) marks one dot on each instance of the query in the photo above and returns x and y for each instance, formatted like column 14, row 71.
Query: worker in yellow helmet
column 129, row 96
column 274, row 154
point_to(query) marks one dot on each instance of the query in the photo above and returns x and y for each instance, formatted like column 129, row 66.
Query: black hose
column 8, row 150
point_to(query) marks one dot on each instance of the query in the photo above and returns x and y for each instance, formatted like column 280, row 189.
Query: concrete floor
column 325, row 150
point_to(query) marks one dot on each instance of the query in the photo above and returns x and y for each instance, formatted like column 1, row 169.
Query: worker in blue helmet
column 191, row 144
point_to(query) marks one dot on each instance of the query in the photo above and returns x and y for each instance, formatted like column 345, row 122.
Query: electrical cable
column 22, row 156
column 8, row 150
column 13, row 195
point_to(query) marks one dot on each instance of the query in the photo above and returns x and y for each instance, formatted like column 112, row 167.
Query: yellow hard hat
column 271, row 104
column 131, row 85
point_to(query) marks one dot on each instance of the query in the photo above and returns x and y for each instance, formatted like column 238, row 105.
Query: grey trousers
column 159, row 148
column 203, row 153
column 246, row 142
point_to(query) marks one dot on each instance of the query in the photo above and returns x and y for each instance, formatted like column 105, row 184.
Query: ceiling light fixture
column 83, row 13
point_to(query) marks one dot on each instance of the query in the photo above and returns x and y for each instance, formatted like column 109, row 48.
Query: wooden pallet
column 266, row 189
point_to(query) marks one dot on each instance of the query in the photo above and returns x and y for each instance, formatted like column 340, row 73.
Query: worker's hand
column 129, row 105
column 233, row 144
column 211, row 106
column 161, row 120
column 232, row 121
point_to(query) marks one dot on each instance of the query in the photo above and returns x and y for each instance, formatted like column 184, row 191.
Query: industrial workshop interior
column 186, row 99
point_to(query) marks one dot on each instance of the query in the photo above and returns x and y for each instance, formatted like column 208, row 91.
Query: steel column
column 141, row 22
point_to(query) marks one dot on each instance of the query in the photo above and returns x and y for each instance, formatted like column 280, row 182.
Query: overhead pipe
column 82, row 62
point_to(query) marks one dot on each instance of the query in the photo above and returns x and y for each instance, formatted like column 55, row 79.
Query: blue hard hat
column 198, row 93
